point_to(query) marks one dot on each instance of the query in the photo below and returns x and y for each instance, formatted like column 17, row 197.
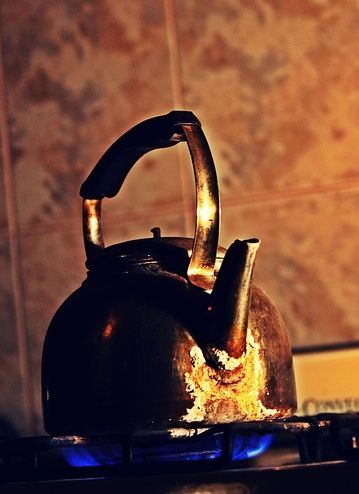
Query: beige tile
column 307, row 262
column 275, row 86
column 53, row 267
column 12, row 417
column 3, row 214
column 79, row 74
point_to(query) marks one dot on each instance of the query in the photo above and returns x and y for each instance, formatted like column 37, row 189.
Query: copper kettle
column 164, row 331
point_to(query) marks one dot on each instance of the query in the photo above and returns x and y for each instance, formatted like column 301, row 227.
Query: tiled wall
column 276, row 86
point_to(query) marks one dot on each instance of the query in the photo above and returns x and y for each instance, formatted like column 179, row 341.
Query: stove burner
column 294, row 444
column 205, row 445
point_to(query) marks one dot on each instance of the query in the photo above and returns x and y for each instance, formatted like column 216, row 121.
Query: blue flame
column 93, row 456
column 250, row 446
column 204, row 447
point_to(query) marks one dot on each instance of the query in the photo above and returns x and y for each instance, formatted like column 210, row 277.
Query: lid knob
column 156, row 230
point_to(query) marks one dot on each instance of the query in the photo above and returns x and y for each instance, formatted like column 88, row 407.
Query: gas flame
column 230, row 392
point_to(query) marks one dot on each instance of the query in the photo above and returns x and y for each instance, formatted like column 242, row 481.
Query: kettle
column 165, row 331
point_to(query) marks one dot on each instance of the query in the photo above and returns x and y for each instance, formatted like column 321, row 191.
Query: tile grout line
column 257, row 197
column 15, row 261
column 315, row 189
column 178, row 96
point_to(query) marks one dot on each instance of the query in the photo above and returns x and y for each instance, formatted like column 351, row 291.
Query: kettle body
column 165, row 331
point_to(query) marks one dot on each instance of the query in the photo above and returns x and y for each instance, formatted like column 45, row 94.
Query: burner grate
column 242, row 445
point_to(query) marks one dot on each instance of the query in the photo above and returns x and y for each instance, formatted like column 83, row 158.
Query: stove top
column 296, row 454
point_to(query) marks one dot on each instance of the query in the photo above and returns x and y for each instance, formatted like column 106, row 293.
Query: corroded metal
column 164, row 332
column 259, row 385
column 233, row 284
column 92, row 230
column 201, row 267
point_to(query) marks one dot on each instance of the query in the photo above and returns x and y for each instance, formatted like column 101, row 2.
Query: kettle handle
column 108, row 175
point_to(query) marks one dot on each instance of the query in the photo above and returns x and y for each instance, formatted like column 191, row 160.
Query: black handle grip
column 109, row 173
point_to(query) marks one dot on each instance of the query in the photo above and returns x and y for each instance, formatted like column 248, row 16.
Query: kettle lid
column 170, row 254
column 150, row 254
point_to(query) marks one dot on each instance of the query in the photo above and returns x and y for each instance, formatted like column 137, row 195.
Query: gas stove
column 301, row 454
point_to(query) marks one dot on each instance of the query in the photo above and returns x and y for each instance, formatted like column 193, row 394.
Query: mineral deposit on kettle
column 216, row 400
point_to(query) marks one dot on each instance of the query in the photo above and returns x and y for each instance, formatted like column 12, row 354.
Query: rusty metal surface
column 202, row 264
column 92, row 230
column 233, row 284
column 259, row 385
column 130, row 352
column 173, row 337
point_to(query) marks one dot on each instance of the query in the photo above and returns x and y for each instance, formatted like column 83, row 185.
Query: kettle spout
column 231, row 297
